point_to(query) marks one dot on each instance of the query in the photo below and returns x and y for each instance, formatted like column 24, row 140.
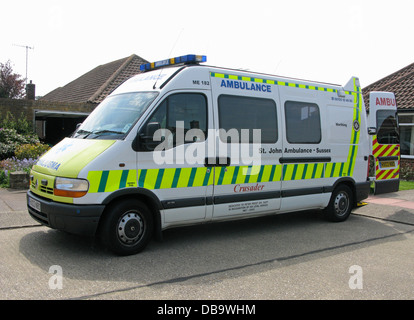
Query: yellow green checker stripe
column 274, row 82
column 171, row 178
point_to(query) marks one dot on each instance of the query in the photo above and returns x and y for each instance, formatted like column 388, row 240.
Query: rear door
column 386, row 141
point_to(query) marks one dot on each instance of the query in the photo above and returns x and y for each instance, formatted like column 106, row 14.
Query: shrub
column 10, row 140
column 406, row 171
column 4, row 179
column 31, row 151
column 20, row 125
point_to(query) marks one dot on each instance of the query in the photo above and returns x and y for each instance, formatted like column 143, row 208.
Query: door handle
column 217, row 162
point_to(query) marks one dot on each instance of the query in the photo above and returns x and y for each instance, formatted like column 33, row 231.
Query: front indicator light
column 72, row 188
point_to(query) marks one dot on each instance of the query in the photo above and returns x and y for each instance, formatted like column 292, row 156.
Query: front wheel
column 127, row 227
column 340, row 205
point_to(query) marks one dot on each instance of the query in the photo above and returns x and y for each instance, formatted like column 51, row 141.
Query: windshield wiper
column 82, row 132
column 85, row 133
column 107, row 131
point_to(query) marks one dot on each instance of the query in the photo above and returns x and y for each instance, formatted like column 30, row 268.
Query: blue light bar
column 189, row 58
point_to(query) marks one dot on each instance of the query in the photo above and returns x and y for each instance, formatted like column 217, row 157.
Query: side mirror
column 372, row 131
column 76, row 129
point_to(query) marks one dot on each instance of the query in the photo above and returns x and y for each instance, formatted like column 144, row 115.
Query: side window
column 303, row 122
column 176, row 116
column 237, row 112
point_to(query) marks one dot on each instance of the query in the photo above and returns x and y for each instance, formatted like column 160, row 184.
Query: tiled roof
column 98, row 83
column 400, row 82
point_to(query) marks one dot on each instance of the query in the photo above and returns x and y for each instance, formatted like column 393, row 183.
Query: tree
column 12, row 85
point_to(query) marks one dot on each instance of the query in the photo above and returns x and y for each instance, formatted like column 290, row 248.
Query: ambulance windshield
column 115, row 116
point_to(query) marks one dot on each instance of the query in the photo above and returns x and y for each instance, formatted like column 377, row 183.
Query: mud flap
column 386, row 186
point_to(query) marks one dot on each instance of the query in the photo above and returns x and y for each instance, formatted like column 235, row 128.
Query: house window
column 406, row 122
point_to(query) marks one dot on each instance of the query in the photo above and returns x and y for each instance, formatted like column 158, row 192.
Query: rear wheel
column 340, row 205
column 127, row 227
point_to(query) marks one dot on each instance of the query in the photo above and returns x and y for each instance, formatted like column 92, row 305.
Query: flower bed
column 19, row 150
column 21, row 170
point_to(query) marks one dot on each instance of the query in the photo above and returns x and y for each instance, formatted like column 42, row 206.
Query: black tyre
column 340, row 205
column 127, row 227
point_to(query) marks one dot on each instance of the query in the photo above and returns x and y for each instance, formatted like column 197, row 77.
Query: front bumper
column 76, row 219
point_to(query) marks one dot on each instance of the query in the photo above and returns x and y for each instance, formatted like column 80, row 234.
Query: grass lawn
column 406, row 185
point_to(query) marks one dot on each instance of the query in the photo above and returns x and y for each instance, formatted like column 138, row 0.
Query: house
column 402, row 84
column 88, row 90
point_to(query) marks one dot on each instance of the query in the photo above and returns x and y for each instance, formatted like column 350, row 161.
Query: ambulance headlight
column 73, row 188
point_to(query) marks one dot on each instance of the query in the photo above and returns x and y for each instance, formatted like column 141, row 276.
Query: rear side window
column 303, row 122
column 241, row 113
column 387, row 127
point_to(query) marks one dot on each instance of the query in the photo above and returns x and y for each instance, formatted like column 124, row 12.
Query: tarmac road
column 290, row 256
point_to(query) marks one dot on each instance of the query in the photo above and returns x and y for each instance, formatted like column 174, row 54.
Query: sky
column 321, row 40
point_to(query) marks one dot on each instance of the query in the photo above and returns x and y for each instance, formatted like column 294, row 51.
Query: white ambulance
column 184, row 143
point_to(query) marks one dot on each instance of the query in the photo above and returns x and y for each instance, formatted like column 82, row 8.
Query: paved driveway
column 291, row 256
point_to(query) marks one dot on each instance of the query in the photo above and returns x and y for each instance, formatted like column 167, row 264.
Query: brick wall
column 28, row 107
